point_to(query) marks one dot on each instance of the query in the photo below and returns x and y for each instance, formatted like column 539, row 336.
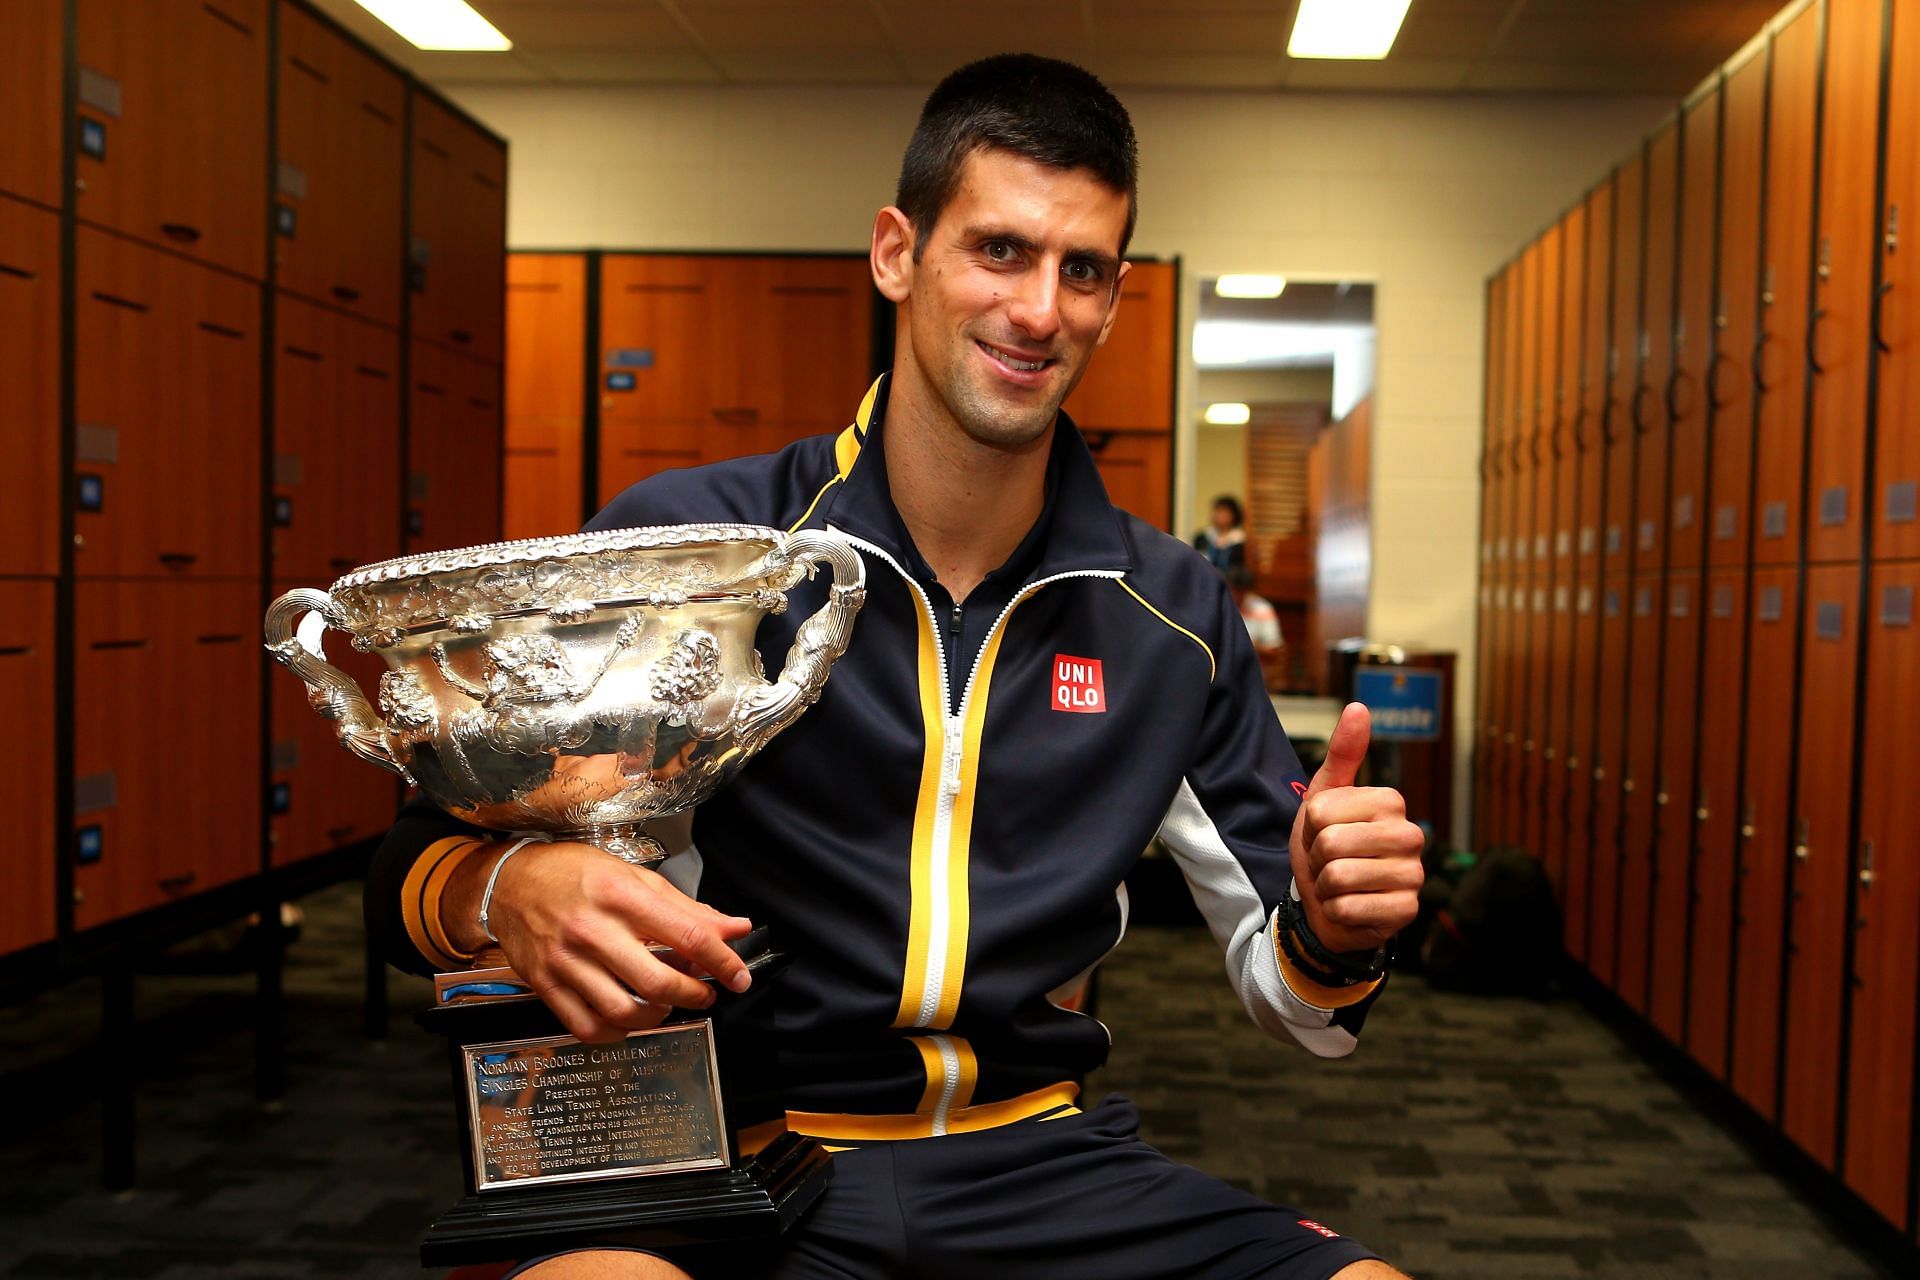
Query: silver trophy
column 576, row 688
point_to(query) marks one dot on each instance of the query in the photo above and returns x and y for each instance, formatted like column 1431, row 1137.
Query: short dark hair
column 1048, row 111
column 1232, row 504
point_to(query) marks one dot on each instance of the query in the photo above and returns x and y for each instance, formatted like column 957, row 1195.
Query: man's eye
column 999, row 250
column 1082, row 272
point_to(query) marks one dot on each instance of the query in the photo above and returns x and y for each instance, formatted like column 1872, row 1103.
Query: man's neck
column 967, row 505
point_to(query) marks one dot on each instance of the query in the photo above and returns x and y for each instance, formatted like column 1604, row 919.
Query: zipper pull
column 950, row 756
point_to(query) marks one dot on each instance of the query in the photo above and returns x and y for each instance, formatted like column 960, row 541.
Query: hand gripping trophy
column 577, row 688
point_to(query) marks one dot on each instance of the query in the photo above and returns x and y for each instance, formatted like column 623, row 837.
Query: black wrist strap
column 1327, row 967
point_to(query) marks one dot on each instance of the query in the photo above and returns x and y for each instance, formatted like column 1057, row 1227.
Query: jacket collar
column 1081, row 529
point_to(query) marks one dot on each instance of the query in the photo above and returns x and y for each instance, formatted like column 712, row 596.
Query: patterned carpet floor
column 1466, row 1138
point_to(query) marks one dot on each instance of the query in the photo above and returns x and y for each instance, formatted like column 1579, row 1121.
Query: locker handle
column 1607, row 416
column 1674, row 381
column 173, row 884
column 1661, row 797
column 1714, row 402
column 1533, row 447
column 738, row 417
column 181, row 231
column 337, row 835
column 1880, row 292
column 461, row 335
column 1803, row 844
column 1626, row 785
column 1866, row 864
column 1813, row 333
column 345, row 293
column 178, row 559
column 1640, row 424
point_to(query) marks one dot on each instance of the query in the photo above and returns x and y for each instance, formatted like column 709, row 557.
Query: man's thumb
column 1345, row 750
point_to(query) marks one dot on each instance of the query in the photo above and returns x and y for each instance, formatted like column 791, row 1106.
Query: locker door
column 1521, row 796
column 167, row 375
column 1880, row 1061
column 1623, row 370
column 1486, row 668
column 370, row 440
column 1576, row 904
column 1566, row 491
column 1135, row 467
column 1843, row 284
column 175, row 87
column 1653, row 392
column 312, row 474
column 1129, row 384
column 432, row 426
column 1730, row 384
column 342, row 158
column 456, row 245
column 1817, row 893
column 1673, row 812
column 1540, row 550
column 185, row 654
column 546, row 351
column 27, row 781
column 1638, row 788
column 656, row 405
column 30, row 370
column 802, row 330
column 1693, row 338
column 1609, row 763
column 1716, row 812
column 1896, row 497
column 454, row 451
column 1760, row 870
column 1780, row 363
column 30, row 62
column 477, row 387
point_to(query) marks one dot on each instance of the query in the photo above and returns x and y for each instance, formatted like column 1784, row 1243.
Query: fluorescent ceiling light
column 439, row 24
column 1227, row 415
column 1250, row 286
column 1344, row 28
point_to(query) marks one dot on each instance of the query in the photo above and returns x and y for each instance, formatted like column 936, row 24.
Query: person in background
column 1224, row 541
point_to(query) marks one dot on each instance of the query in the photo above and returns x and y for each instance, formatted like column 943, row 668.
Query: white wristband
column 493, row 877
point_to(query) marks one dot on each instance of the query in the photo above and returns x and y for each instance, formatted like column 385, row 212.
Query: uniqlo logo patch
column 1311, row 1225
column 1078, row 685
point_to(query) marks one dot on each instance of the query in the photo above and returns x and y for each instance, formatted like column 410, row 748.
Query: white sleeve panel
column 1243, row 927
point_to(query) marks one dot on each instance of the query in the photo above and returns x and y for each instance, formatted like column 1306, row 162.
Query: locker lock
column 1746, row 822
column 1660, row 797
column 1866, row 864
column 1599, row 773
column 1803, row 847
column 1626, row 785
column 1701, row 812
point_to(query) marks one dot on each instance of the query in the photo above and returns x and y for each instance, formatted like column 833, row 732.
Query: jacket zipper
column 952, row 760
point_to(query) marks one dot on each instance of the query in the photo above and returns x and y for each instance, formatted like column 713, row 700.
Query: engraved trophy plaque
column 576, row 688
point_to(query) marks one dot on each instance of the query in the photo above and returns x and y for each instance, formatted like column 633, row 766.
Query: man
column 1037, row 685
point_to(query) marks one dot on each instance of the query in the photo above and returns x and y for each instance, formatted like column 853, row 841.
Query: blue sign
column 285, row 219
column 619, row 382
column 93, row 138
column 93, row 492
column 630, row 357
column 89, row 844
column 283, row 511
column 1405, row 702
column 280, row 799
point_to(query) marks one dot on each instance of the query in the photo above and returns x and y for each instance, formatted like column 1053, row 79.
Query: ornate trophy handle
column 818, row 644
column 295, row 624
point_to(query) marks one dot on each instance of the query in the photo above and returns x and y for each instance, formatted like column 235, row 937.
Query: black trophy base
column 758, row 1197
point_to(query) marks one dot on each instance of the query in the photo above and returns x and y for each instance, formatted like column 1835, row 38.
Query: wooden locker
column 1623, row 369
column 1843, row 281
column 339, row 237
column 1540, row 562
column 1609, row 763
column 1729, row 383
column 799, row 333
column 1639, row 787
column 1896, row 496
column 1526, row 427
column 1716, row 812
column 1576, row 904
column 1672, row 872
column 1130, row 382
column 27, row 859
column 173, row 125
column 1652, row 394
column 1521, row 308
column 1780, row 352
column 454, row 451
column 1760, row 868
column 1137, row 469
column 1817, row 885
column 319, row 797
column 1886, row 918
column 336, row 442
column 1487, row 636
column 1685, row 391
column 546, row 354
column 456, row 246
column 167, row 379
column 657, row 314
column 30, row 66
column 1564, row 451
column 30, row 370
column 166, row 688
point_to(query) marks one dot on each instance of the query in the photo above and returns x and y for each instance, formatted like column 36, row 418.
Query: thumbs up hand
column 1356, row 858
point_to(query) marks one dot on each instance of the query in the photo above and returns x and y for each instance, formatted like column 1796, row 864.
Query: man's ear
column 891, row 257
column 1113, row 303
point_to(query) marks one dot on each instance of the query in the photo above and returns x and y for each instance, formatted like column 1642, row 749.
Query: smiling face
column 1012, row 289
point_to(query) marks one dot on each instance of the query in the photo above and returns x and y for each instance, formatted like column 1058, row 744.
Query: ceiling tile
column 624, row 66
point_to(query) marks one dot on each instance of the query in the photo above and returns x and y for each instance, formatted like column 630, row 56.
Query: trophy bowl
column 573, row 687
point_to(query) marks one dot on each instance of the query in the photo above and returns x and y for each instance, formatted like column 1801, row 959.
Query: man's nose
column 1034, row 306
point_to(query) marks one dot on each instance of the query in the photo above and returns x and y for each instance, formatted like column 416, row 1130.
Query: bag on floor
column 1498, row 931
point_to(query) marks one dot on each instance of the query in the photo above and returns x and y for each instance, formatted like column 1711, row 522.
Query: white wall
column 1424, row 196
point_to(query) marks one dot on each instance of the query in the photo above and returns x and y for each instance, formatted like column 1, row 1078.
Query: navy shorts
column 1080, row 1195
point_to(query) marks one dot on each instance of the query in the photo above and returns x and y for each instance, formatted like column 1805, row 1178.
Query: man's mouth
column 1011, row 362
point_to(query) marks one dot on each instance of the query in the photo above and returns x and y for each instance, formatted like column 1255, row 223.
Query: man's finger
column 1350, row 804
column 661, row 913
column 1345, row 750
